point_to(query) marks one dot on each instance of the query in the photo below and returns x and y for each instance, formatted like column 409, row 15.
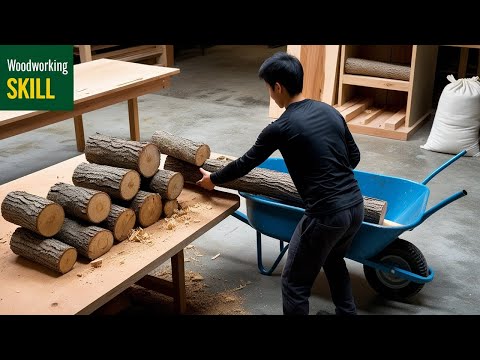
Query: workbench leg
column 79, row 134
column 133, row 118
column 85, row 53
column 462, row 66
column 178, row 279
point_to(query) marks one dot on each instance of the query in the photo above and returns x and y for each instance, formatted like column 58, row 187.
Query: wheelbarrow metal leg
column 261, row 268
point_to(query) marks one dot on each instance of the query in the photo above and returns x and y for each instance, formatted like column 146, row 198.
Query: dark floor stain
column 223, row 98
column 248, row 100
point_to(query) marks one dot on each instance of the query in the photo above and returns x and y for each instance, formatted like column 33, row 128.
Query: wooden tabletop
column 29, row 288
column 102, row 77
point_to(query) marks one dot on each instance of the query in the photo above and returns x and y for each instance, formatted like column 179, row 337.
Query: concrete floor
column 218, row 98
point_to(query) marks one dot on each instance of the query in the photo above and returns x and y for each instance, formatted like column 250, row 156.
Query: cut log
column 108, row 150
column 48, row 252
column 265, row 182
column 147, row 207
column 120, row 222
column 117, row 182
column 193, row 152
column 169, row 184
column 90, row 241
column 169, row 207
column 78, row 202
column 375, row 210
column 33, row 212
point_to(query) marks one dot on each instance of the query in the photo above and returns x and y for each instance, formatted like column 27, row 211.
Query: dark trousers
column 316, row 242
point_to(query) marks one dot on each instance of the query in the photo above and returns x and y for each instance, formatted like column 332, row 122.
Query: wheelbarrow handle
column 449, row 162
column 438, row 206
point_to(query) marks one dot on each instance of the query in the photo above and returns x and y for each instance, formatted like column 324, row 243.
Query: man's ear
column 277, row 88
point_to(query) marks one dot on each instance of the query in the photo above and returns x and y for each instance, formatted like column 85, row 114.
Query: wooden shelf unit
column 385, row 107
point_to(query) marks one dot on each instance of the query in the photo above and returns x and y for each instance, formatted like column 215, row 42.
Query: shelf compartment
column 382, row 121
column 376, row 82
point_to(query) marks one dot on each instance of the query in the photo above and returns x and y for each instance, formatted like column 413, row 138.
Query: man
column 320, row 154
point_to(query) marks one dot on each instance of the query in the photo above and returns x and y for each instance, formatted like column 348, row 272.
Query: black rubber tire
column 406, row 256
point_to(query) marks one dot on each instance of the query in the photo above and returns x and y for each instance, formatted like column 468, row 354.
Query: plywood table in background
column 29, row 288
column 97, row 84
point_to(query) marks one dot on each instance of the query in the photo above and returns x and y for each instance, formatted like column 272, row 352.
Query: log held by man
column 274, row 184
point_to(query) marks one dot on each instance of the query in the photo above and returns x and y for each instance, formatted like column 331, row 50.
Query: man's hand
column 205, row 181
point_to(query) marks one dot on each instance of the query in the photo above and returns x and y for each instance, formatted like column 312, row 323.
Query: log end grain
column 124, row 224
column 67, row 260
column 98, row 207
column 175, row 186
column 50, row 220
column 100, row 244
column 149, row 160
column 169, row 207
column 203, row 153
column 150, row 210
column 130, row 185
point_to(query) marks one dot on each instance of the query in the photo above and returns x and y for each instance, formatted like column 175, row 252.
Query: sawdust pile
column 186, row 215
column 200, row 299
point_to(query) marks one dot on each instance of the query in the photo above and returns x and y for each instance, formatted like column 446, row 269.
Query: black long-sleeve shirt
column 319, row 152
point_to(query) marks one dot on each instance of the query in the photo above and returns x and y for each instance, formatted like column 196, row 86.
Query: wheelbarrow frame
column 366, row 258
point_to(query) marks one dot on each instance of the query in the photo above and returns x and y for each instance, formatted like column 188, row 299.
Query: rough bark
column 169, row 207
column 169, row 184
column 274, row 184
column 128, row 154
column 265, row 182
column 49, row 252
column 90, row 241
column 119, row 183
column 120, row 221
column 375, row 210
column 33, row 212
column 181, row 148
column 147, row 207
column 78, row 202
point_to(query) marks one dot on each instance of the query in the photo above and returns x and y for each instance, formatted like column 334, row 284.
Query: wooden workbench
column 97, row 84
column 29, row 288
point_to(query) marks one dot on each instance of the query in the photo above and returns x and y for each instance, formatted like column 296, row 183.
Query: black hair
column 285, row 69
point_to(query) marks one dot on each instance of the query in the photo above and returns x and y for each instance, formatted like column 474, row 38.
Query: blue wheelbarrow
column 393, row 267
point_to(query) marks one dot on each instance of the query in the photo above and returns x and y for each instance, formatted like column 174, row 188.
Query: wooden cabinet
column 383, row 105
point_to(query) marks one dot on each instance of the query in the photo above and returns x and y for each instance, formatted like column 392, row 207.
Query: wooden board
column 29, row 288
column 100, row 78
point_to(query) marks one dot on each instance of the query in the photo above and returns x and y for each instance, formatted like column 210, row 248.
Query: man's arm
column 267, row 142
column 352, row 148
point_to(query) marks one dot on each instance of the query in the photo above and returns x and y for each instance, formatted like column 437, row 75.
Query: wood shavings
column 224, row 158
column 196, row 221
column 79, row 275
column 216, row 256
column 190, row 246
column 96, row 263
column 139, row 235
column 197, row 277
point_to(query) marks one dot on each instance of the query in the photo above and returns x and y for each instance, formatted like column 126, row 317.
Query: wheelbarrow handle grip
column 440, row 205
column 440, row 168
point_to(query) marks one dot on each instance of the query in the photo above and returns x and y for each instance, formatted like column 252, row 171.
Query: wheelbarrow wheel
column 404, row 255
